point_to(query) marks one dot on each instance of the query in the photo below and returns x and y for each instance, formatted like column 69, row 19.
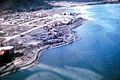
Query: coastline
column 23, row 41
column 53, row 34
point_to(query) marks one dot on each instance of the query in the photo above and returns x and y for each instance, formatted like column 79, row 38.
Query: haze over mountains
column 27, row 5
column 22, row 1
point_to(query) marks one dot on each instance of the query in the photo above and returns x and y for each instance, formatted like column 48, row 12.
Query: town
column 30, row 33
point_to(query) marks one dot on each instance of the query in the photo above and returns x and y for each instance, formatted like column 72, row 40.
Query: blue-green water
column 95, row 56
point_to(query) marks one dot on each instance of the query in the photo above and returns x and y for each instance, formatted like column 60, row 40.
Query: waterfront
column 95, row 56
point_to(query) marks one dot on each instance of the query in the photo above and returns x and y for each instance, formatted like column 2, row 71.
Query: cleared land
column 33, row 32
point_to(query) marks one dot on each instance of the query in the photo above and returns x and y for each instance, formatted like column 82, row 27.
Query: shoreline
column 54, row 29
column 55, row 33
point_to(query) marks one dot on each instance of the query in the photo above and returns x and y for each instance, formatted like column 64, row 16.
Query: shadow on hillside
column 26, row 6
column 32, row 5
column 12, row 6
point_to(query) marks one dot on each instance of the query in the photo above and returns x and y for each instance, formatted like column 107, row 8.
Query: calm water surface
column 95, row 56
